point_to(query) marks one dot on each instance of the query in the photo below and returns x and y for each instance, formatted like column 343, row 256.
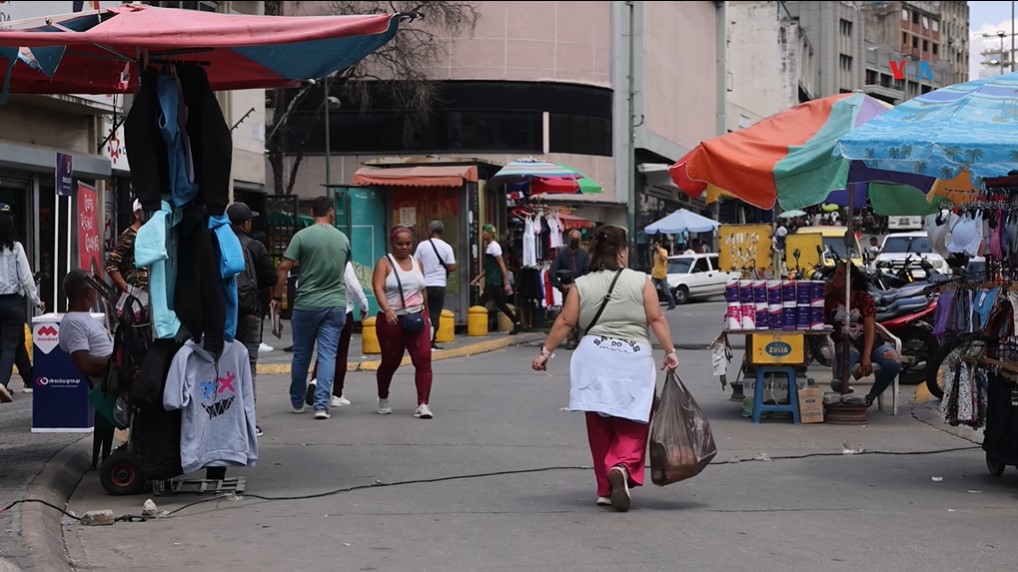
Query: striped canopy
column 543, row 177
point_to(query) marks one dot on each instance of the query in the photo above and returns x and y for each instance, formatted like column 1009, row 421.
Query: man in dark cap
column 258, row 275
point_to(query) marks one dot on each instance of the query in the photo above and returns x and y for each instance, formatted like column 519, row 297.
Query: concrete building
column 88, row 128
column 835, row 31
column 544, row 79
column 914, row 47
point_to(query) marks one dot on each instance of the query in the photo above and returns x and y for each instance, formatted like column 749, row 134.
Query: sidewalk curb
column 452, row 353
column 41, row 529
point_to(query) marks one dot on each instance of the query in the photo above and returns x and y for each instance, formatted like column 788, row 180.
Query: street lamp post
column 1001, row 34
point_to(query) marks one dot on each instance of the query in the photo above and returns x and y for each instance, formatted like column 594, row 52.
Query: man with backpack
column 259, row 274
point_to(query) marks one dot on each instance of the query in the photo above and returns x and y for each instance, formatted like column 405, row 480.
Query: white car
column 697, row 276
column 898, row 246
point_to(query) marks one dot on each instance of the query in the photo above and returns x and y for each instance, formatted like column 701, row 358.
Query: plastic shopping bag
column 681, row 444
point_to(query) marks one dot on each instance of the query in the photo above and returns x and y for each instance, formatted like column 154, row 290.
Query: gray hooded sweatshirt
column 217, row 398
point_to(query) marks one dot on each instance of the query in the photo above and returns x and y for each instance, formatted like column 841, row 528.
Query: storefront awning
column 423, row 176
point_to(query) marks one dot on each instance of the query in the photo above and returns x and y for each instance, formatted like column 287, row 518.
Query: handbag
column 413, row 323
column 681, row 443
column 607, row 297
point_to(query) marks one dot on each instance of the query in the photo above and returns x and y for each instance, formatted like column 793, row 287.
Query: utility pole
column 328, row 141
column 631, row 132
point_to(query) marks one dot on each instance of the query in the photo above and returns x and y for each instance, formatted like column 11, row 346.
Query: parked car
column 898, row 246
column 696, row 276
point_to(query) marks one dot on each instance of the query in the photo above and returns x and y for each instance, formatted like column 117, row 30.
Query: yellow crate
column 778, row 348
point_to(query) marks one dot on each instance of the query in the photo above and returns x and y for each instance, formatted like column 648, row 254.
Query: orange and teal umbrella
column 787, row 158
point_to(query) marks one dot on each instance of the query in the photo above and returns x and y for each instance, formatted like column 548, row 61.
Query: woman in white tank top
column 400, row 289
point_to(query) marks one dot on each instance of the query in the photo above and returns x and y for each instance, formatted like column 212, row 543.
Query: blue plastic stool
column 758, row 392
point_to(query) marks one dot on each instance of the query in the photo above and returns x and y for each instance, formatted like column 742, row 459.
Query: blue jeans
column 662, row 283
column 889, row 368
column 325, row 326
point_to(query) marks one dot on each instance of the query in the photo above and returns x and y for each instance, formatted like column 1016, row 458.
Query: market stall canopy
column 794, row 213
column 422, row 176
column 543, row 177
column 570, row 221
column 682, row 220
column 101, row 52
column 968, row 125
column 787, row 157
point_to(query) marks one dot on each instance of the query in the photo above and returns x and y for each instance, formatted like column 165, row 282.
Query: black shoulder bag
column 607, row 297
column 412, row 323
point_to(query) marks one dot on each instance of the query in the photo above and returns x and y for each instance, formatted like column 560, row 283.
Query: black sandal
column 869, row 401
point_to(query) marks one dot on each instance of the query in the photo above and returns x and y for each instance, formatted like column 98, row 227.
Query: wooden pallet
column 231, row 485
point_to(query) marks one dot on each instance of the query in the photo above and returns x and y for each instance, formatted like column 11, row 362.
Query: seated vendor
column 867, row 346
column 82, row 337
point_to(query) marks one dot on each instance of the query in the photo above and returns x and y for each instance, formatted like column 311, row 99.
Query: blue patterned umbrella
column 970, row 125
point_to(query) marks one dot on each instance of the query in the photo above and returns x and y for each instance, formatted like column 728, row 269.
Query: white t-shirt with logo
column 434, row 273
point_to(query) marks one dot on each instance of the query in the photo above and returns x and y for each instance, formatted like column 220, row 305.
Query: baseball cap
column 137, row 206
column 489, row 228
column 240, row 213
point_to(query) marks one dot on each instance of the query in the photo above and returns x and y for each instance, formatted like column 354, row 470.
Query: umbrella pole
column 846, row 350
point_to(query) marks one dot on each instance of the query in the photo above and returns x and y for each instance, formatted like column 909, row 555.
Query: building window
column 915, row 42
column 915, row 17
column 904, row 14
column 936, row 49
column 872, row 77
column 846, row 62
column 926, row 23
column 846, row 27
column 904, row 38
column 926, row 45
column 936, row 25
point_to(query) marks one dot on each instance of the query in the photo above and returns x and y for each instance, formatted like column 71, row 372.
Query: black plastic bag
column 681, row 444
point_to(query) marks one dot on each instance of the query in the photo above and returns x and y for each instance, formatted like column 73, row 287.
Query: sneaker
column 26, row 389
column 258, row 431
column 309, row 395
column 383, row 407
column 298, row 409
column 436, row 348
column 339, row 401
column 620, row 488
column 604, row 501
column 517, row 328
column 423, row 412
column 5, row 396
column 322, row 414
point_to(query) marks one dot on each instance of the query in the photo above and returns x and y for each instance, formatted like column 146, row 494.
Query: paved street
column 821, row 510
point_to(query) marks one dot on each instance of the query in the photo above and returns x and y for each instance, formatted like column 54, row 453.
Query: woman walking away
column 611, row 374
column 16, row 282
column 402, row 323
column 867, row 346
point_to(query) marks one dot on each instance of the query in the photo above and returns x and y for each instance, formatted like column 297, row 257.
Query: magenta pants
column 394, row 344
column 616, row 441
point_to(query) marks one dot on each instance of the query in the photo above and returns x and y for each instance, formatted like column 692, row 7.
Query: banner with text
column 90, row 244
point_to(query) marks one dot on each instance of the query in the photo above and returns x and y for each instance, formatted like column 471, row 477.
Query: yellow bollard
column 446, row 333
column 369, row 337
column 477, row 321
column 504, row 323
column 28, row 342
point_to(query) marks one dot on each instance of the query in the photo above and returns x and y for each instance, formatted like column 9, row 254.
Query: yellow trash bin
column 504, row 323
column 369, row 337
column 446, row 333
column 477, row 321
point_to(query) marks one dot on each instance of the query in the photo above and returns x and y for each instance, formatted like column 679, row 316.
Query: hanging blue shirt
column 231, row 263
column 172, row 116
column 155, row 247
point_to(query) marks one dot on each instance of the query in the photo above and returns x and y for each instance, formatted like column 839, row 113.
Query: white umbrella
column 682, row 220
column 792, row 214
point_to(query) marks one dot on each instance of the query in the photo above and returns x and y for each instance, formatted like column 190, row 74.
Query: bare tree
column 397, row 70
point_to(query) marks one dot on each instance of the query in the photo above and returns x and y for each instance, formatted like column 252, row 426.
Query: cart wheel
column 120, row 474
column 995, row 467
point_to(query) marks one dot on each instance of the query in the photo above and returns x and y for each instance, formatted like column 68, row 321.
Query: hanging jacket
column 145, row 145
column 217, row 399
column 211, row 140
column 172, row 123
column 199, row 299
column 155, row 248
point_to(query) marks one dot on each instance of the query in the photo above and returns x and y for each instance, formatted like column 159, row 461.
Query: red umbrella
column 100, row 52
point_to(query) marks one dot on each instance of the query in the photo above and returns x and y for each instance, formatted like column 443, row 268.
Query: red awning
column 573, row 221
column 421, row 176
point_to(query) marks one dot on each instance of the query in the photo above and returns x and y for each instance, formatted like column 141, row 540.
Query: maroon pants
column 394, row 343
column 342, row 354
column 616, row 441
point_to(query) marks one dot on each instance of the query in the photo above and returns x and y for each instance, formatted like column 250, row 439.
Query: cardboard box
column 811, row 405
column 779, row 348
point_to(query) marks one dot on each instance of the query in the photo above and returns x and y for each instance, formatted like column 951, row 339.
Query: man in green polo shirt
column 319, row 311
